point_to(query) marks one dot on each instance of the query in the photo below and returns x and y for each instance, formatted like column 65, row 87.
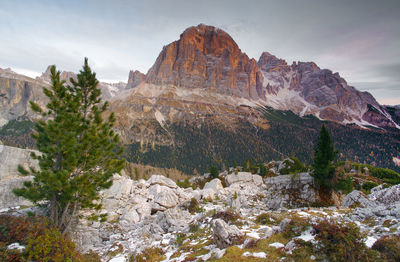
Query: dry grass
column 138, row 171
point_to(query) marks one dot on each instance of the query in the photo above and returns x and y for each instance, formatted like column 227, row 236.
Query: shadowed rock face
column 207, row 57
column 135, row 78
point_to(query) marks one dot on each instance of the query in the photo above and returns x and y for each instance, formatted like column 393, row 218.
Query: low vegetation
column 40, row 240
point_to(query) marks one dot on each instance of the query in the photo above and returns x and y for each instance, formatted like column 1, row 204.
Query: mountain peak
column 208, row 58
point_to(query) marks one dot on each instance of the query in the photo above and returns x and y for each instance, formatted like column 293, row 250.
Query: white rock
column 119, row 258
column 173, row 219
column 225, row 235
column 208, row 193
column 161, row 180
column 143, row 209
column 241, row 177
column 257, row 179
column 214, row 184
column 121, row 187
column 277, row 245
column 129, row 214
column 167, row 199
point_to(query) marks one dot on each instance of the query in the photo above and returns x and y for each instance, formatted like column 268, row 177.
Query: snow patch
column 16, row 246
column 277, row 245
column 160, row 118
column 370, row 241
column 255, row 254
column 306, row 235
column 253, row 235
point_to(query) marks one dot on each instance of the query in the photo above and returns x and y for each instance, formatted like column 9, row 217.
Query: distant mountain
column 199, row 104
column 108, row 90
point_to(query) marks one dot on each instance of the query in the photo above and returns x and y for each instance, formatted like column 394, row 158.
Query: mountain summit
column 207, row 57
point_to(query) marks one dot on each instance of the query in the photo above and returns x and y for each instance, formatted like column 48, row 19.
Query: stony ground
column 237, row 217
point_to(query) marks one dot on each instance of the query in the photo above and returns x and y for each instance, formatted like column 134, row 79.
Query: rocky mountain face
column 108, row 90
column 135, row 78
column 304, row 88
column 208, row 58
column 197, row 106
column 15, row 93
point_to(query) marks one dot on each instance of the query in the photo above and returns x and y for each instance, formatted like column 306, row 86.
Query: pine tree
column 324, row 154
column 79, row 150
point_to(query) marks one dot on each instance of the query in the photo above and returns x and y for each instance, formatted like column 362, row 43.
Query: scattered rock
column 214, row 184
column 241, row 177
column 174, row 219
column 357, row 198
column 162, row 181
column 225, row 235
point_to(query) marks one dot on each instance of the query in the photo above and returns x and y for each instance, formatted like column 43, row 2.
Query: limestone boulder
column 173, row 219
column 163, row 196
column 241, row 177
column 214, row 184
column 357, row 198
column 162, row 181
column 130, row 215
column 225, row 235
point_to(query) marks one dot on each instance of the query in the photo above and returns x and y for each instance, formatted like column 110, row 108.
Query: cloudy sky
column 360, row 39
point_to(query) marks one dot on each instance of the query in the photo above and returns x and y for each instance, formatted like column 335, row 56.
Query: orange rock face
column 207, row 57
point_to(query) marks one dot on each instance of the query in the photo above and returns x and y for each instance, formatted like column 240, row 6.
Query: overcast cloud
column 359, row 39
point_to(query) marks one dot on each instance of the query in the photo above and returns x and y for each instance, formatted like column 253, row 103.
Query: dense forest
column 198, row 147
column 195, row 147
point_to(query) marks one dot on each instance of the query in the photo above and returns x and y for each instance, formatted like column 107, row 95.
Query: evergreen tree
column 79, row 150
column 324, row 154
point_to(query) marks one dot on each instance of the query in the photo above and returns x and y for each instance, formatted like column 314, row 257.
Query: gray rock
column 7, row 197
column 257, row 179
column 174, row 219
column 225, row 235
column 10, row 158
column 208, row 194
column 284, row 223
column 162, row 181
column 219, row 253
column 120, row 188
column 357, row 198
column 241, row 177
column 214, row 184
column 163, row 196
column 129, row 214
column 385, row 195
column 268, row 231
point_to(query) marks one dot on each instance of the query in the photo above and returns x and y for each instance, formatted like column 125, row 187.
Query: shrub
column 389, row 247
column 342, row 243
column 194, row 206
column 43, row 243
column 367, row 186
column 268, row 219
column 228, row 216
column 51, row 246
column 344, row 184
column 213, row 170
column 387, row 175
column 292, row 166
column 150, row 254
column 17, row 229
column 295, row 227
column 185, row 184
column 262, row 169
